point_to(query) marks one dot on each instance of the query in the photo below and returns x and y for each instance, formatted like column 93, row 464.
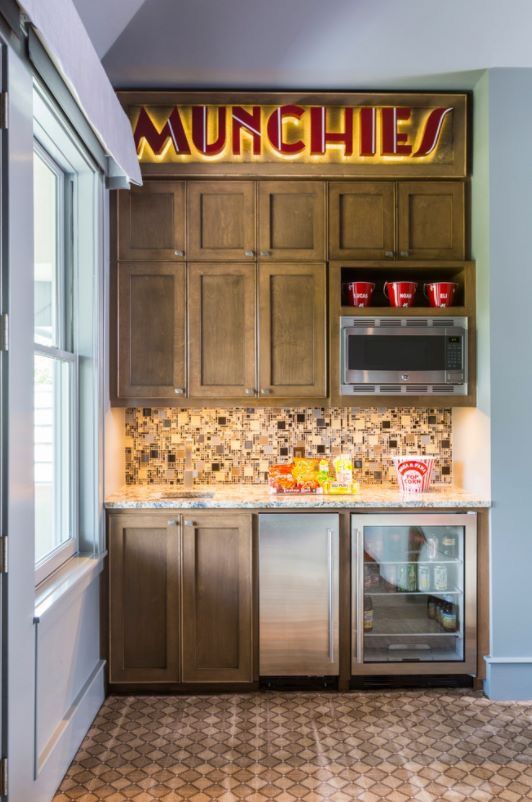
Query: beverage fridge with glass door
column 414, row 594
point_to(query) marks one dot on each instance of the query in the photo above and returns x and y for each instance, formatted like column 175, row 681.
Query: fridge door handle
column 359, row 595
column 330, row 600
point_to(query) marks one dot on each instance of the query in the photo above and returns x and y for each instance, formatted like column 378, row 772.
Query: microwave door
column 381, row 356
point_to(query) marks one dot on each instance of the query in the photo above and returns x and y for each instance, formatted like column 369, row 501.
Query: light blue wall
column 510, row 258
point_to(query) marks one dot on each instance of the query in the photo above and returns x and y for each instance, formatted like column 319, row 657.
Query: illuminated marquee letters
column 343, row 134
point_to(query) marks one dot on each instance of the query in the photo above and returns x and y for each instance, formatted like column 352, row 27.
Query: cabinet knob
column 190, row 523
column 172, row 522
column 249, row 253
column 388, row 254
column 179, row 253
column 265, row 391
column 405, row 253
column 264, row 253
column 179, row 390
column 250, row 391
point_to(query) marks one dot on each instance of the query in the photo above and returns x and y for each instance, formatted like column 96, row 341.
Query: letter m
column 172, row 129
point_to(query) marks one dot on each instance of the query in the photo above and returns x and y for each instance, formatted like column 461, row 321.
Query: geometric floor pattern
column 431, row 746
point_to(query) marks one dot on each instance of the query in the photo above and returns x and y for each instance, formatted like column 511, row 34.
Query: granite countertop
column 252, row 497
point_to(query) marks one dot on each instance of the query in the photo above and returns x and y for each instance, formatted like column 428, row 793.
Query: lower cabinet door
column 217, row 599
column 144, row 598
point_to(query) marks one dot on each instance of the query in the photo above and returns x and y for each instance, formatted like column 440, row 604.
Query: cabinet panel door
column 143, row 599
column 217, row 619
column 362, row 220
column 151, row 330
column 222, row 330
column 151, row 221
column 292, row 219
column 221, row 220
column 292, row 337
column 431, row 220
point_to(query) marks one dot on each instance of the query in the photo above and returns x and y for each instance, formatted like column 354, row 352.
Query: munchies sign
column 348, row 134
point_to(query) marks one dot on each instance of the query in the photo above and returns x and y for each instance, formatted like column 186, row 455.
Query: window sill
column 68, row 581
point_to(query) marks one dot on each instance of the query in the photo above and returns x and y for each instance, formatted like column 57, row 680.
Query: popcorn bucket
column 359, row 293
column 400, row 293
column 413, row 473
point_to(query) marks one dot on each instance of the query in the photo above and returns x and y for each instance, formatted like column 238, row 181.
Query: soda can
column 423, row 578
column 440, row 577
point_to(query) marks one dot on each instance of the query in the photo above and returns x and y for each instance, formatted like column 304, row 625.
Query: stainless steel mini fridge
column 299, row 575
column 414, row 594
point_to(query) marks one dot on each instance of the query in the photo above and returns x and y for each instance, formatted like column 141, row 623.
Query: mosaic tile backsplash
column 239, row 445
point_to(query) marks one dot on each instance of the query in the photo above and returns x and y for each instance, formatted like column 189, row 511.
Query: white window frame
column 56, row 142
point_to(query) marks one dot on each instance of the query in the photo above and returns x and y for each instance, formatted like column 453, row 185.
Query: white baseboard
column 508, row 679
column 60, row 749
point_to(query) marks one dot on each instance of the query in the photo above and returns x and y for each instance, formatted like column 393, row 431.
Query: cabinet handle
column 264, row 253
column 189, row 523
column 173, row 522
column 265, row 391
column 250, row 391
column 330, row 600
column 388, row 254
column 179, row 390
column 179, row 253
column 249, row 253
column 360, row 596
column 405, row 253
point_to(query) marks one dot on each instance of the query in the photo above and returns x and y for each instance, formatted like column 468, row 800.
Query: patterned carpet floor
column 431, row 746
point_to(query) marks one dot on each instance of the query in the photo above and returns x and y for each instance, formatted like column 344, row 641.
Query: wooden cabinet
column 151, row 330
column 407, row 220
column 292, row 339
column 292, row 220
column 222, row 330
column 216, row 615
column 431, row 220
column 144, row 599
column 180, row 598
column 151, row 221
column 221, row 220
column 362, row 220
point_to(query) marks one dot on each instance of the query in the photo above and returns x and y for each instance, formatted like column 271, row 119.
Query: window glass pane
column 46, row 252
column 53, row 454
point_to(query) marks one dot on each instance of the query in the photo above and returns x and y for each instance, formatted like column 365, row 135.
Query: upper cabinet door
column 151, row 221
column 221, row 217
column 222, row 326
column 292, row 220
column 151, row 330
column 292, row 334
column 362, row 220
column 431, row 220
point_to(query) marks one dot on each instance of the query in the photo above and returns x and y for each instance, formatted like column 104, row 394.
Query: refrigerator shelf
column 413, row 562
column 413, row 593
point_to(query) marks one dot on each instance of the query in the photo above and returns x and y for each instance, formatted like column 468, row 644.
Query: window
column 55, row 368
column 68, row 335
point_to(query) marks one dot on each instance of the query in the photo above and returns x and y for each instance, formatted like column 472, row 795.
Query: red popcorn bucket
column 400, row 293
column 414, row 473
column 359, row 293
column 440, row 293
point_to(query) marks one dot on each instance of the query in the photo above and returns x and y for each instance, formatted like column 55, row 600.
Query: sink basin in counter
column 177, row 494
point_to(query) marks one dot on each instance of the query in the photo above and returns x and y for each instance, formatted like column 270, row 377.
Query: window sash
column 57, row 555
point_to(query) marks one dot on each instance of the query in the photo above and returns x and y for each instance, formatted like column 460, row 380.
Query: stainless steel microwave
column 402, row 355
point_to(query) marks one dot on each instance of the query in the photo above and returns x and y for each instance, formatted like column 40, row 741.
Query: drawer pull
column 264, row 253
column 179, row 253
column 190, row 523
column 179, row 391
column 249, row 253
